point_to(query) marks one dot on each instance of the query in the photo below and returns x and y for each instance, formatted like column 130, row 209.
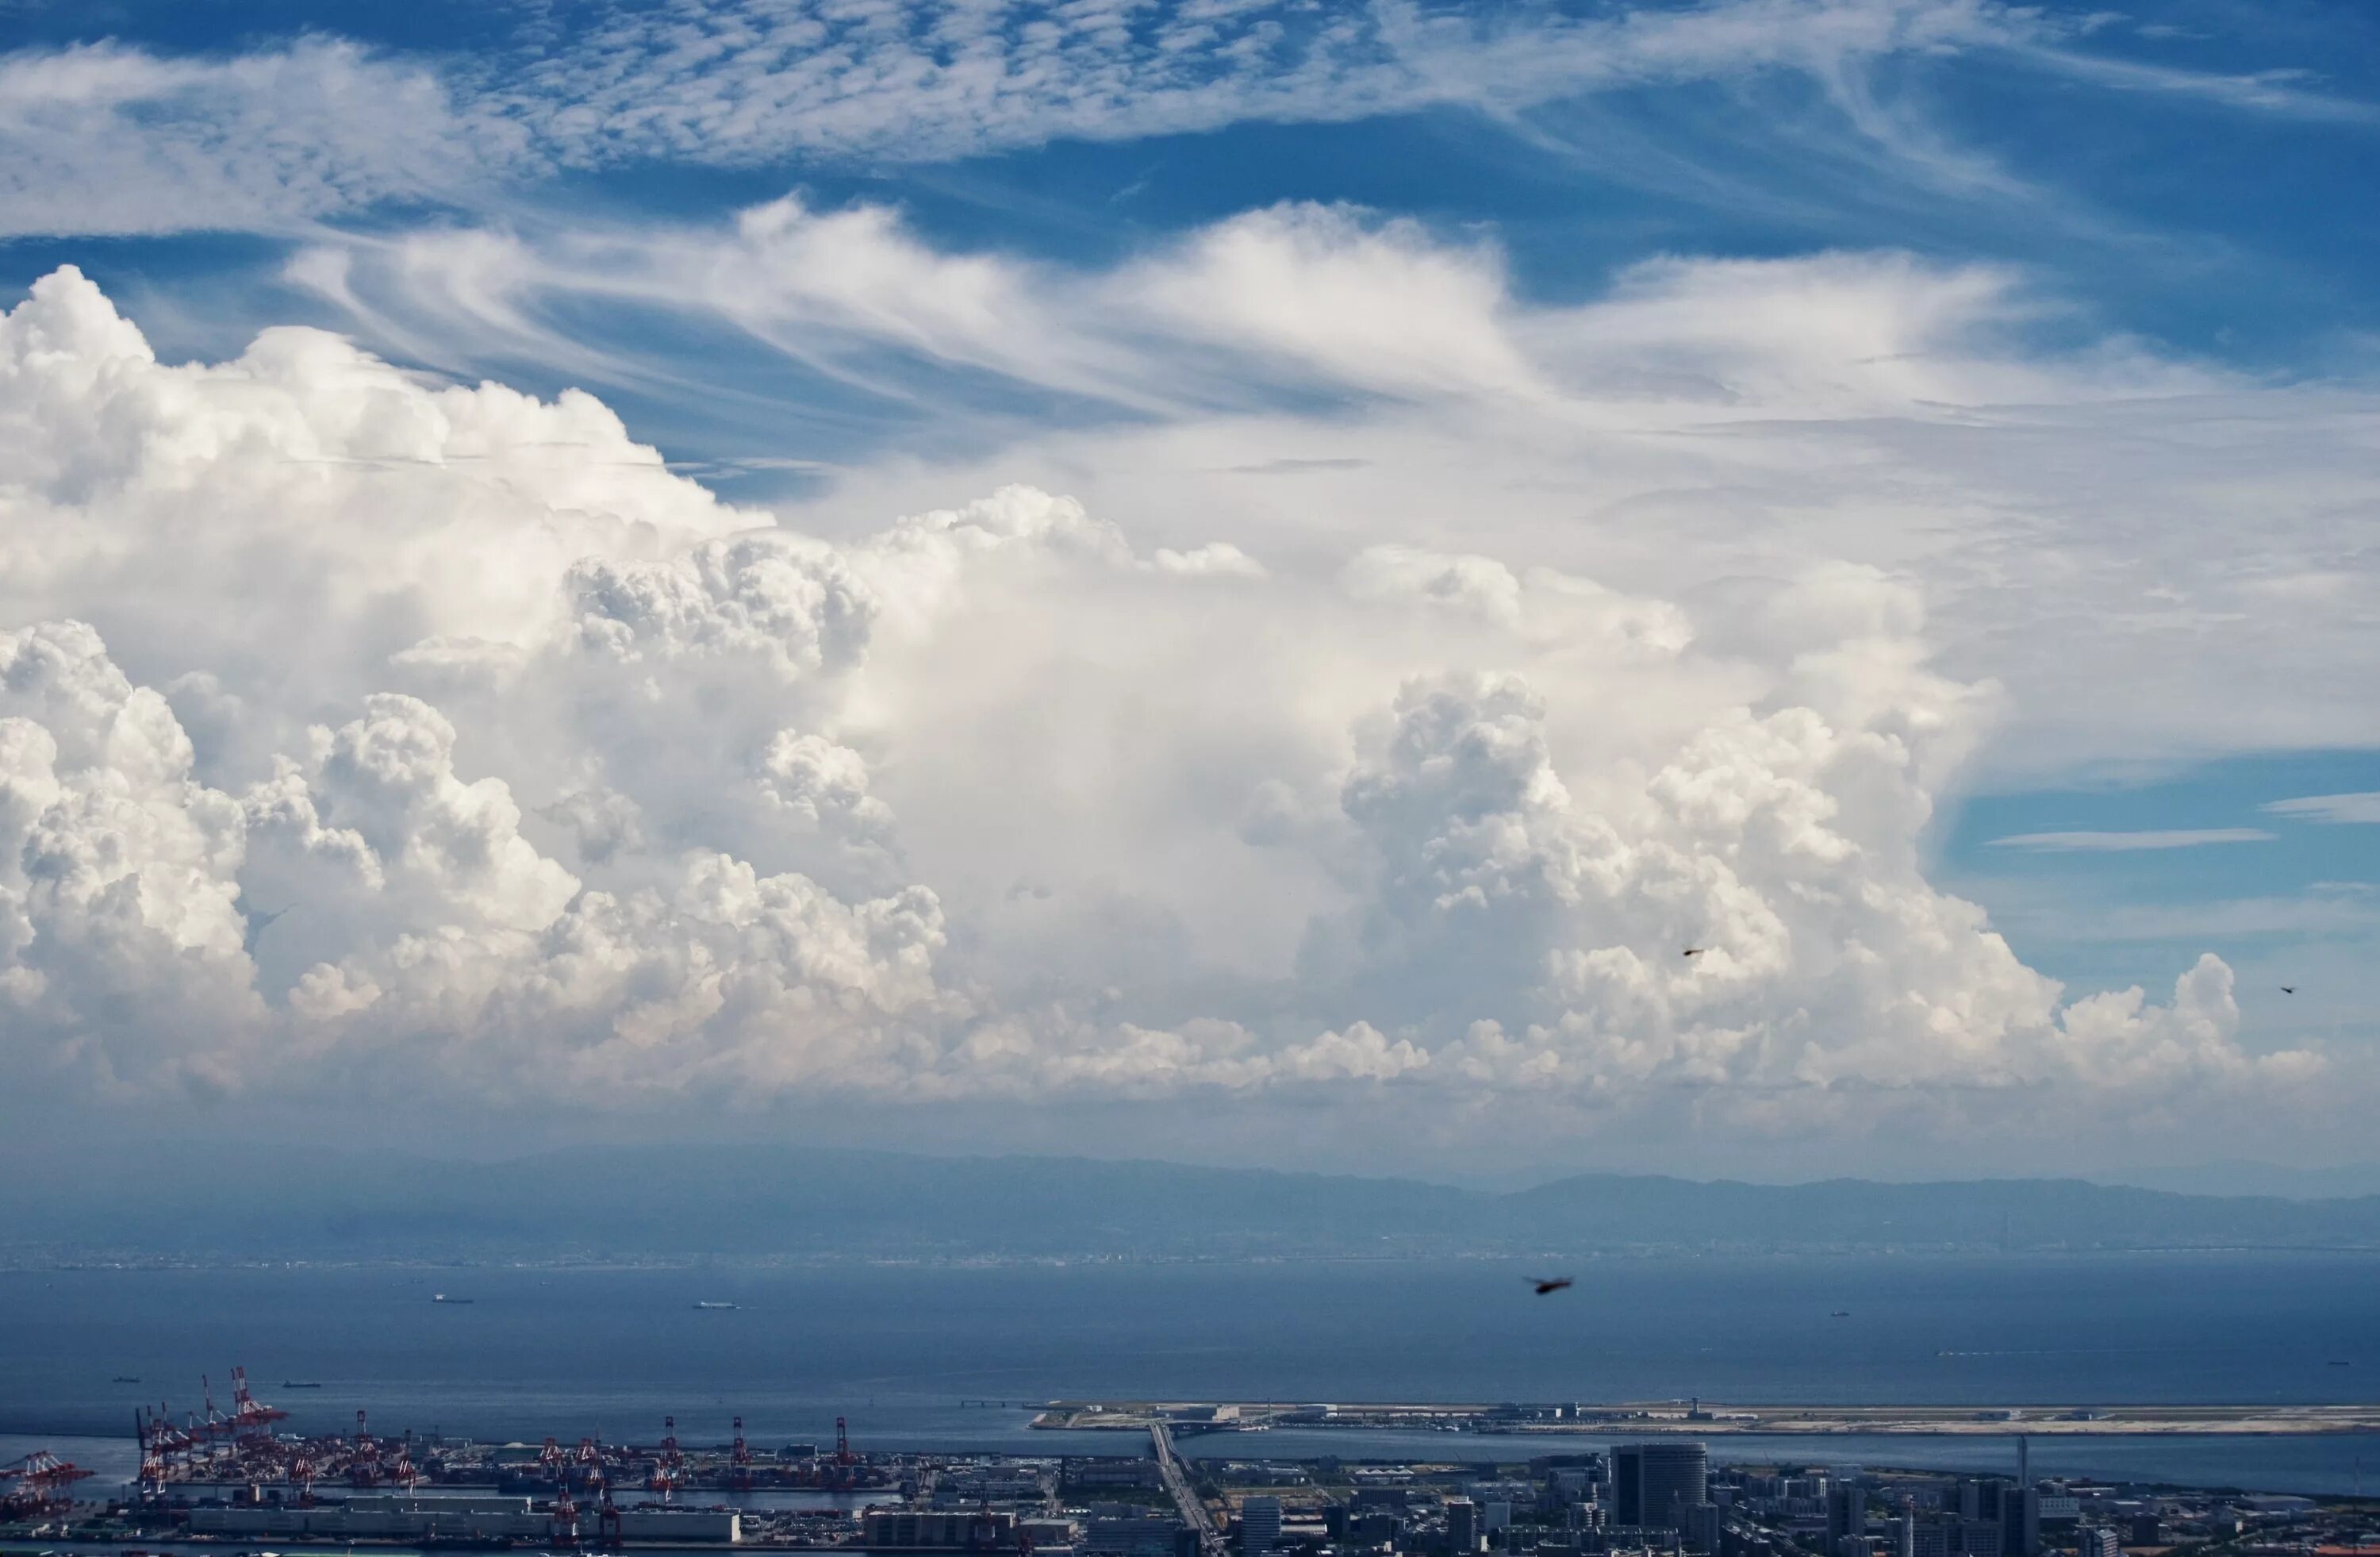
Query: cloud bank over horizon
column 1228, row 578
column 527, row 770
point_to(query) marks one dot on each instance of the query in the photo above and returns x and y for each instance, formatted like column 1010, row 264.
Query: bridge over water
column 1186, row 1497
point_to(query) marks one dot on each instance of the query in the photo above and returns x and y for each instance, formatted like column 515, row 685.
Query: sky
column 1765, row 587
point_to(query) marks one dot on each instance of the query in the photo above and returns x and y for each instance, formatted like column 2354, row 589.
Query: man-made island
column 1701, row 1418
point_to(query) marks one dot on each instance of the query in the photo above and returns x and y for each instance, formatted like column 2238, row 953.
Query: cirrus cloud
column 2363, row 806
column 2124, row 843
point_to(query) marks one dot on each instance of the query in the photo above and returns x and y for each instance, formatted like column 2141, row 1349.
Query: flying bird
column 1694, row 951
column 1551, row 1284
column 2288, row 989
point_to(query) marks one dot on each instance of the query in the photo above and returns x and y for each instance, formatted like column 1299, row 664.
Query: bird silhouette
column 1694, row 951
column 2288, row 989
column 1550, row 1283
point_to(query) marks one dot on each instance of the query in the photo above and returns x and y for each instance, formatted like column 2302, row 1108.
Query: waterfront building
column 1846, row 1512
column 462, row 1517
column 1654, row 1484
column 1138, row 1538
column 1462, row 1525
column 2019, row 1521
column 1259, row 1525
column 916, row 1528
column 1087, row 1474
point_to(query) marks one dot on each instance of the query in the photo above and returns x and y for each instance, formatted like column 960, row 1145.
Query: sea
column 930, row 1355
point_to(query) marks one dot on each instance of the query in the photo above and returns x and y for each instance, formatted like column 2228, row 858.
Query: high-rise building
column 1654, row 1484
column 2019, row 1521
column 1462, row 1525
column 2097, row 1540
column 1627, row 1481
column 1259, row 1525
column 1846, row 1511
column 1136, row 1538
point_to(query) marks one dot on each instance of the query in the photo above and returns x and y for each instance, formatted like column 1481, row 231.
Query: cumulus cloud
column 558, row 778
column 1697, row 430
column 119, row 894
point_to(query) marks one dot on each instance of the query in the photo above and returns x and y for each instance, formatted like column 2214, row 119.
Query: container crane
column 251, row 1415
column 669, row 1464
column 152, row 1453
column 363, row 1455
column 43, row 1481
column 739, row 1462
column 566, row 1518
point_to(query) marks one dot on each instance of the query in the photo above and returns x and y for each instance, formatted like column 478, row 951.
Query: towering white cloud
column 350, row 724
column 121, row 960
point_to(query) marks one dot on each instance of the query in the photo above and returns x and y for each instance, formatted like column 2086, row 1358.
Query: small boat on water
column 300, row 1384
column 1841, row 1314
column 714, row 1308
column 441, row 1297
column 126, row 1378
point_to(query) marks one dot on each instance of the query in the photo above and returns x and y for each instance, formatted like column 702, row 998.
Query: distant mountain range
column 2259, row 1178
column 763, row 1203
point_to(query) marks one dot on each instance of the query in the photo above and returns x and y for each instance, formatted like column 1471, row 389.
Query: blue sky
column 2288, row 898
column 2052, row 331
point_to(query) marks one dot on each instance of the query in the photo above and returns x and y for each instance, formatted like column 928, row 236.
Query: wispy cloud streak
column 2359, row 807
column 2120, row 843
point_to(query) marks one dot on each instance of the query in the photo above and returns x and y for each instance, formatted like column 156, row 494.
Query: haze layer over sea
column 897, row 1348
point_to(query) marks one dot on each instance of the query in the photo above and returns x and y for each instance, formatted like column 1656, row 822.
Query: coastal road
column 1185, row 1498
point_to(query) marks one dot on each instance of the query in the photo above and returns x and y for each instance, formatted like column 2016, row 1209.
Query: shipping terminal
column 234, row 1482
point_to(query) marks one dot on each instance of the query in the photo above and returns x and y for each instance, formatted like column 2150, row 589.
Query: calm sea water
column 898, row 1350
